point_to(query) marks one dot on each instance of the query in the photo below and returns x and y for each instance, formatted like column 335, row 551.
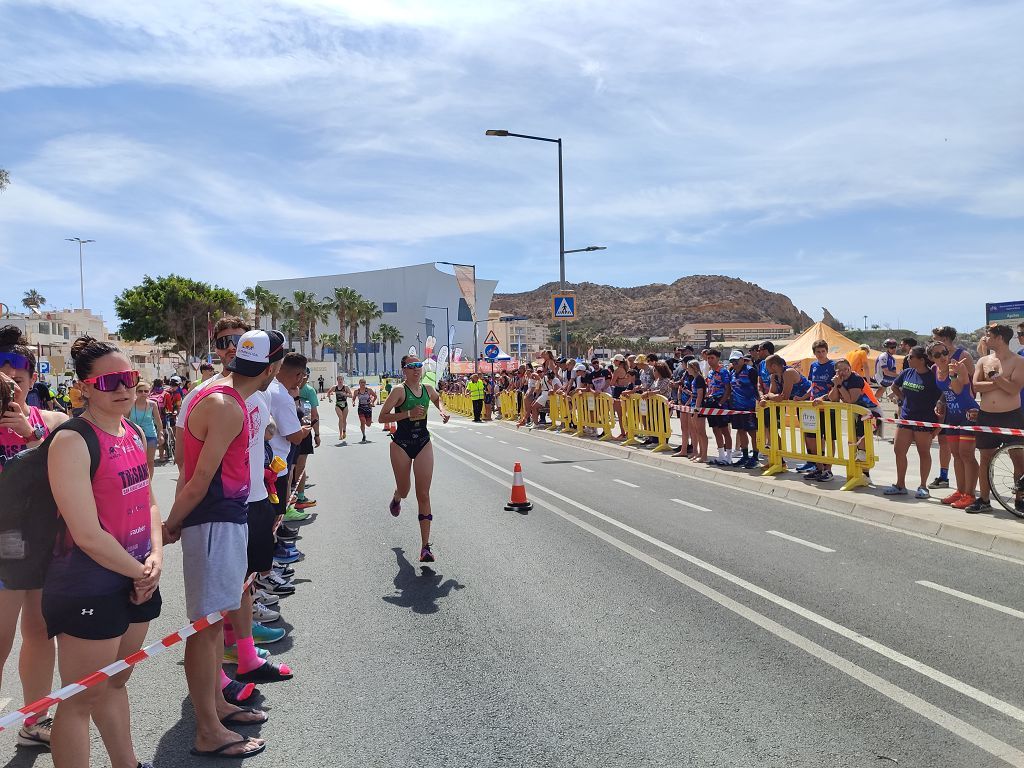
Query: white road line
column 806, row 543
column 582, row 469
column 691, row 505
column 623, row 482
column 971, row 598
column 883, row 650
column 549, row 458
column 489, row 437
column 964, row 730
column 523, row 449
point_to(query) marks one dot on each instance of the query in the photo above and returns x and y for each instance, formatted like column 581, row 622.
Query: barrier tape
column 154, row 649
column 708, row 411
column 967, row 428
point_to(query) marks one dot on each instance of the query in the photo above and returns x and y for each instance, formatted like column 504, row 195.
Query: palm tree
column 376, row 339
column 257, row 296
column 302, row 301
column 369, row 311
column 390, row 335
column 345, row 299
column 317, row 311
column 33, row 298
column 289, row 328
column 332, row 340
column 272, row 305
column 354, row 317
column 5, row 179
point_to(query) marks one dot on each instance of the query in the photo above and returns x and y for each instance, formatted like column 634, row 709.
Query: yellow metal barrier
column 594, row 410
column 786, row 426
column 457, row 403
column 559, row 411
column 646, row 417
column 509, row 402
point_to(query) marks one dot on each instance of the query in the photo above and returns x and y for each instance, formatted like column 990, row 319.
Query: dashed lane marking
column 691, row 505
column 794, row 539
column 623, row 482
column 582, row 469
column 971, row 598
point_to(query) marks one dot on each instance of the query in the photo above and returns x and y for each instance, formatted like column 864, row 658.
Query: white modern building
column 402, row 294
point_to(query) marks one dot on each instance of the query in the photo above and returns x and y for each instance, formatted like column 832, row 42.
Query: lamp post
column 81, row 268
column 473, row 310
column 561, row 222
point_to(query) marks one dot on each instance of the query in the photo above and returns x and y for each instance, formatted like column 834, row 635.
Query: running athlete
column 342, row 394
column 102, row 586
column 23, row 426
column 365, row 399
column 410, row 448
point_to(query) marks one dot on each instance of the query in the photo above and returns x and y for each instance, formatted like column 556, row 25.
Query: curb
column 876, row 511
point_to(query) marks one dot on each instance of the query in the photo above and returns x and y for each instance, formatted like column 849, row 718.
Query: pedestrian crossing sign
column 563, row 306
column 491, row 338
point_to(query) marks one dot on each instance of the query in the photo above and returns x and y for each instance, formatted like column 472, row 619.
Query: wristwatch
column 39, row 433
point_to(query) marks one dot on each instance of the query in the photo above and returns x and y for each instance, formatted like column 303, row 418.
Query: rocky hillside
column 659, row 309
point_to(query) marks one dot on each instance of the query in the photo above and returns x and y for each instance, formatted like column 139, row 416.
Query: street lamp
column 561, row 223
column 447, row 326
column 473, row 267
column 81, row 269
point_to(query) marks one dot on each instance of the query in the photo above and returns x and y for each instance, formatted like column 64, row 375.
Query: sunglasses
column 223, row 342
column 937, row 354
column 413, row 365
column 15, row 360
column 111, row 381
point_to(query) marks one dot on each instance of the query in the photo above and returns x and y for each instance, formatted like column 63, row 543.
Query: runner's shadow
column 420, row 593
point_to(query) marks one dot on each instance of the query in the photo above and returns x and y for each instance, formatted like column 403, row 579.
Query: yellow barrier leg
column 662, row 445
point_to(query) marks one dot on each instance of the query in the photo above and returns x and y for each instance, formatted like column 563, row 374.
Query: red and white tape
column 709, row 411
column 155, row 649
column 967, row 428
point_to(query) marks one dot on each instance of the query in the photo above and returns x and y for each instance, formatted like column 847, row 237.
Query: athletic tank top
column 412, row 401
column 364, row 399
column 12, row 443
column 229, row 489
column 121, row 490
column 144, row 418
column 801, row 388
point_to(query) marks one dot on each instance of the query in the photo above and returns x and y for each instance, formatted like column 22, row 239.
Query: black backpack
column 29, row 523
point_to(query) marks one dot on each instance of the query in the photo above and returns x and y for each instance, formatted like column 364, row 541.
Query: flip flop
column 268, row 672
column 235, row 692
column 233, row 718
column 219, row 752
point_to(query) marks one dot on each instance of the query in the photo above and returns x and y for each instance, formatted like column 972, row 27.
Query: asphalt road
column 633, row 618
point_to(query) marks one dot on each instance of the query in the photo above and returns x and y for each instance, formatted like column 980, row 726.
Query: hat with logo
column 256, row 351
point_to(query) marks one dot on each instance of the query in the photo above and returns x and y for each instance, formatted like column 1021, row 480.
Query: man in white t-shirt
column 290, row 431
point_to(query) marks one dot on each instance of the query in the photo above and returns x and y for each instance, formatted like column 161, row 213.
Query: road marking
column 623, row 482
column 523, row 449
column 806, row 543
column 503, row 442
column 582, row 469
column 489, row 437
column 971, row 598
column 782, row 500
column 883, row 650
column 951, row 723
column 691, row 505
column 549, row 458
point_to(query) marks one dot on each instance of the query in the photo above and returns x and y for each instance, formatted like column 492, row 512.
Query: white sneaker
column 37, row 734
column 264, row 615
column 265, row 598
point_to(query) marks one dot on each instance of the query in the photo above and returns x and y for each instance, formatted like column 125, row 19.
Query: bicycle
column 169, row 442
column 1006, row 478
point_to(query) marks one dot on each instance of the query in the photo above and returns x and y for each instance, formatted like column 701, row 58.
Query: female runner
column 23, row 426
column 101, row 588
column 342, row 394
column 410, row 447
column 365, row 399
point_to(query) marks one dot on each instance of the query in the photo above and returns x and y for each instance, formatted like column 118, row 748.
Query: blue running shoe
column 262, row 635
column 285, row 555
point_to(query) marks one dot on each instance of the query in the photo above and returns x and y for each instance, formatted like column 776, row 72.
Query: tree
column 332, row 340
column 5, row 179
column 318, row 312
column 376, row 338
column 303, row 302
column 390, row 335
column 272, row 304
column 344, row 301
column 369, row 312
column 33, row 298
column 290, row 328
column 166, row 308
column 257, row 296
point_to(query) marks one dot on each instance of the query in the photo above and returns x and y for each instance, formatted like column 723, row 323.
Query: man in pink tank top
column 209, row 517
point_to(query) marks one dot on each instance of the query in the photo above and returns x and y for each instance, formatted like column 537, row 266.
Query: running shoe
column 37, row 734
column 231, row 654
column 426, row 556
column 979, row 505
column 814, row 474
column 922, row 493
column 293, row 515
column 275, row 585
column 262, row 635
column 751, row 463
column 265, row 598
column 939, row 482
column 303, row 503
column 286, row 533
column 963, row 502
column 395, row 507
column 824, row 477
column 740, row 462
column 284, row 571
column 807, row 466
column 263, row 614
column 953, row 498
column 282, row 555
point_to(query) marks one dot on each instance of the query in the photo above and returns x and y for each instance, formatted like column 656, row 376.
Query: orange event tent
column 798, row 352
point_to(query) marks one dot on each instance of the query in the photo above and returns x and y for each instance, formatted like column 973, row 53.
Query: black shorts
column 365, row 413
column 261, row 536
column 986, row 441
column 96, row 617
column 744, row 422
column 716, row 422
column 835, row 426
column 282, row 495
column 305, row 448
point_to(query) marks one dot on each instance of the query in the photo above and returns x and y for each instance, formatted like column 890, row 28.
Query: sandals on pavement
column 895, row 490
column 236, row 718
column 219, row 751
column 267, row 672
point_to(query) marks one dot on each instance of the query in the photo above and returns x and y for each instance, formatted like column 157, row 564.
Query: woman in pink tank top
column 101, row 588
column 23, row 426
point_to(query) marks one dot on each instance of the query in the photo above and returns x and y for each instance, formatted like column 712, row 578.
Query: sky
column 863, row 156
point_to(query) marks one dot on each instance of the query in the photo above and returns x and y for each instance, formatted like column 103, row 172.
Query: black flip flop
column 219, row 751
column 233, row 689
column 233, row 718
column 267, row 672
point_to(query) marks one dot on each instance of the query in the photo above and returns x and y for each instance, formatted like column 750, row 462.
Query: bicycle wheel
column 1004, row 477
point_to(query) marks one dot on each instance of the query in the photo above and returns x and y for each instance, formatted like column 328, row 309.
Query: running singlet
column 821, row 377
column 364, row 401
column 744, row 389
column 801, row 388
column 229, row 489
column 957, row 406
column 411, row 435
column 121, row 490
column 12, row 443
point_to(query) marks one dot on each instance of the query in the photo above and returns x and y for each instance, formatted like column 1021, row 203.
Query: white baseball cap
column 255, row 352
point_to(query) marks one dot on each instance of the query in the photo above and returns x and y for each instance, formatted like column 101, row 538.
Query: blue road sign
column 491, row 351
column 563, row 306
column 44, row 366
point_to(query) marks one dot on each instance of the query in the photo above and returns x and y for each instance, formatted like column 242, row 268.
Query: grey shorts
column 215, row 560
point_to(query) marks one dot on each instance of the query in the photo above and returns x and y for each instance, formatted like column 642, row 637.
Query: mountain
column 658, row 309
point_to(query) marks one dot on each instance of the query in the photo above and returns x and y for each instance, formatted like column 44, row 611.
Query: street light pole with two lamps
column 81, row 267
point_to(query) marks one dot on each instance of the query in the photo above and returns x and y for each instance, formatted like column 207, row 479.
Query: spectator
column 744, row 398
column 719, row 394
column 916, row 390
column 907, row 344
column 697, row 432
column 885, row 375
column 946, row 335
column 822, row 373
column 955, row 382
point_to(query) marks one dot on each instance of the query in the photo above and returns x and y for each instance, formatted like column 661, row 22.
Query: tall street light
column 447, row 327
column 561, row 224
column 81, row 268
column 476, row 355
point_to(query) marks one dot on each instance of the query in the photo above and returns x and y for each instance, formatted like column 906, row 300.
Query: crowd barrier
column 822, row 434
column 455, row 402
column 647, row 416
column 560, row 411
column 508, row 401
column 594, row 410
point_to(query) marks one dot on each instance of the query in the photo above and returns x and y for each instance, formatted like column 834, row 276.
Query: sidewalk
column 997, row 531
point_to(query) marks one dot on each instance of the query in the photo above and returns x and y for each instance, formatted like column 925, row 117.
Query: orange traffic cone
column 518, row 501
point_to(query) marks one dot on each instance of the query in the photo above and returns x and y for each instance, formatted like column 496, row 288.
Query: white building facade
column 402, row 295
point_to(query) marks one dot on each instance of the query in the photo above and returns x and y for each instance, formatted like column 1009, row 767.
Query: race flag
column 457, row 355
column 465, row 276
column 428, row 346
column 451, row 335
column 414, row 351
column 442, row 361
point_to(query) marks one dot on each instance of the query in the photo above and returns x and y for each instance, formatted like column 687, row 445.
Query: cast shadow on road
column 173, row 747
column 418, row 592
